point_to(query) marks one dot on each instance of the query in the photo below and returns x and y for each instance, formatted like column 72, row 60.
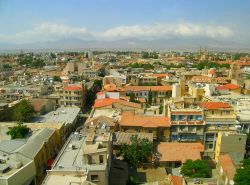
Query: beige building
column 219, row 117
column 232, row 144
column 158, row 125
column 85, row 158
column 72, row 96
column 159, row 93
column 15, row 168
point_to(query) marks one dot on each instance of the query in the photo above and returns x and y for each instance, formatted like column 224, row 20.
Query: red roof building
column 215, row 105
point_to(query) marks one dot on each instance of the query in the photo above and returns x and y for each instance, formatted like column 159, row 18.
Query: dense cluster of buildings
column 187, row 113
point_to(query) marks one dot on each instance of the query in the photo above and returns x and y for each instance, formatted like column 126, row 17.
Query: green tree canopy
column 23, row 111
column 242, row 176
column 138, row 151
column 153, row 55
column 132, row 97
column 146, row 66
column 197, row 168
column 207, row 64
column 57, row 79
column 150, row 97
column 161, row 109
column 19, row 131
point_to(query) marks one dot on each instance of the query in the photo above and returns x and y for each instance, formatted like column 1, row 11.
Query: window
column 101, row 159
column 94, row 178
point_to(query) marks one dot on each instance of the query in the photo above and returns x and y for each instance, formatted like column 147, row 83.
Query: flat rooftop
column 64, row 179
column 111, row 113
column 71, row 156
column 61, row 115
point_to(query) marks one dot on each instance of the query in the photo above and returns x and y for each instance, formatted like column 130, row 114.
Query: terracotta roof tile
column 128, row 118
column 240, row 63
column 176, row 180
column 180, row 151
column 232, row 86
column 162, row 75
column 148, row 88
column 215, row 105
column 110, row 101
column 72, row 88
column 113, row 87
column 227, row 165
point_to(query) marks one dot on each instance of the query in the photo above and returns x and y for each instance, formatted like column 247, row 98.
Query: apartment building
column 232, row 144
column 85, row 158
column 72, row 96
column 89, row 73
column 218, row 117
column 25, row 161
column 116, row 78
column 158, row 125
column 187, row 124
column 159, row 93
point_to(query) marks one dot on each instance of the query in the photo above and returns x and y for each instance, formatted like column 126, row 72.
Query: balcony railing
column 187, row 122
column 221, row 128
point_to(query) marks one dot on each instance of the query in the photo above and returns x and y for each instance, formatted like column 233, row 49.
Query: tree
column 57, row 79
column 197, row 168
column 242, row 176
column 161, row 109
column 132, row 97
column 145, row 54
column 150, row 97
column 138, row 151
column 97, row 85
column 23, row 111
column 90, row 97
column 6, row 114
column 19, row 131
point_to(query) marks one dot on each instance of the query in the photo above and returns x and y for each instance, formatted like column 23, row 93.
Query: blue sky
column 41, row 20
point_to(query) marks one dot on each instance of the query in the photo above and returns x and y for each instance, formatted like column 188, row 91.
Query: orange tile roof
column 128, row 118
column 110, row 101
column 100, row 93
column 227, row 165
column 240, row 63
column 176, row 180
column 127, row 103
column 215, row 105
column 180, row 151
column 161, row 75
column 148, row 88
column 72, row 88
column 113, row 87
column 231, row 86
column 186, row 112
column 212, row 71
column 104, row 102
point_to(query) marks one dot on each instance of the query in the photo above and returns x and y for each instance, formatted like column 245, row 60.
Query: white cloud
column 46, row 32
column 49, row 31
column 169, row 30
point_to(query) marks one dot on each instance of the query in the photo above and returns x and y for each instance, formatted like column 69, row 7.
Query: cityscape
column 108, row 92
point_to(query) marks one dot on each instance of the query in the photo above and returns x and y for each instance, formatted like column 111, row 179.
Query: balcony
column 220, row 118
column 220, row 128
column 187, row 122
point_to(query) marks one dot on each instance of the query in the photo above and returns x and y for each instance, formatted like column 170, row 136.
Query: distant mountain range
column 190, row 44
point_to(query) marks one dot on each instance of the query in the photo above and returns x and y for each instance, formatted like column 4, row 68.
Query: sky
column 25, row 21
